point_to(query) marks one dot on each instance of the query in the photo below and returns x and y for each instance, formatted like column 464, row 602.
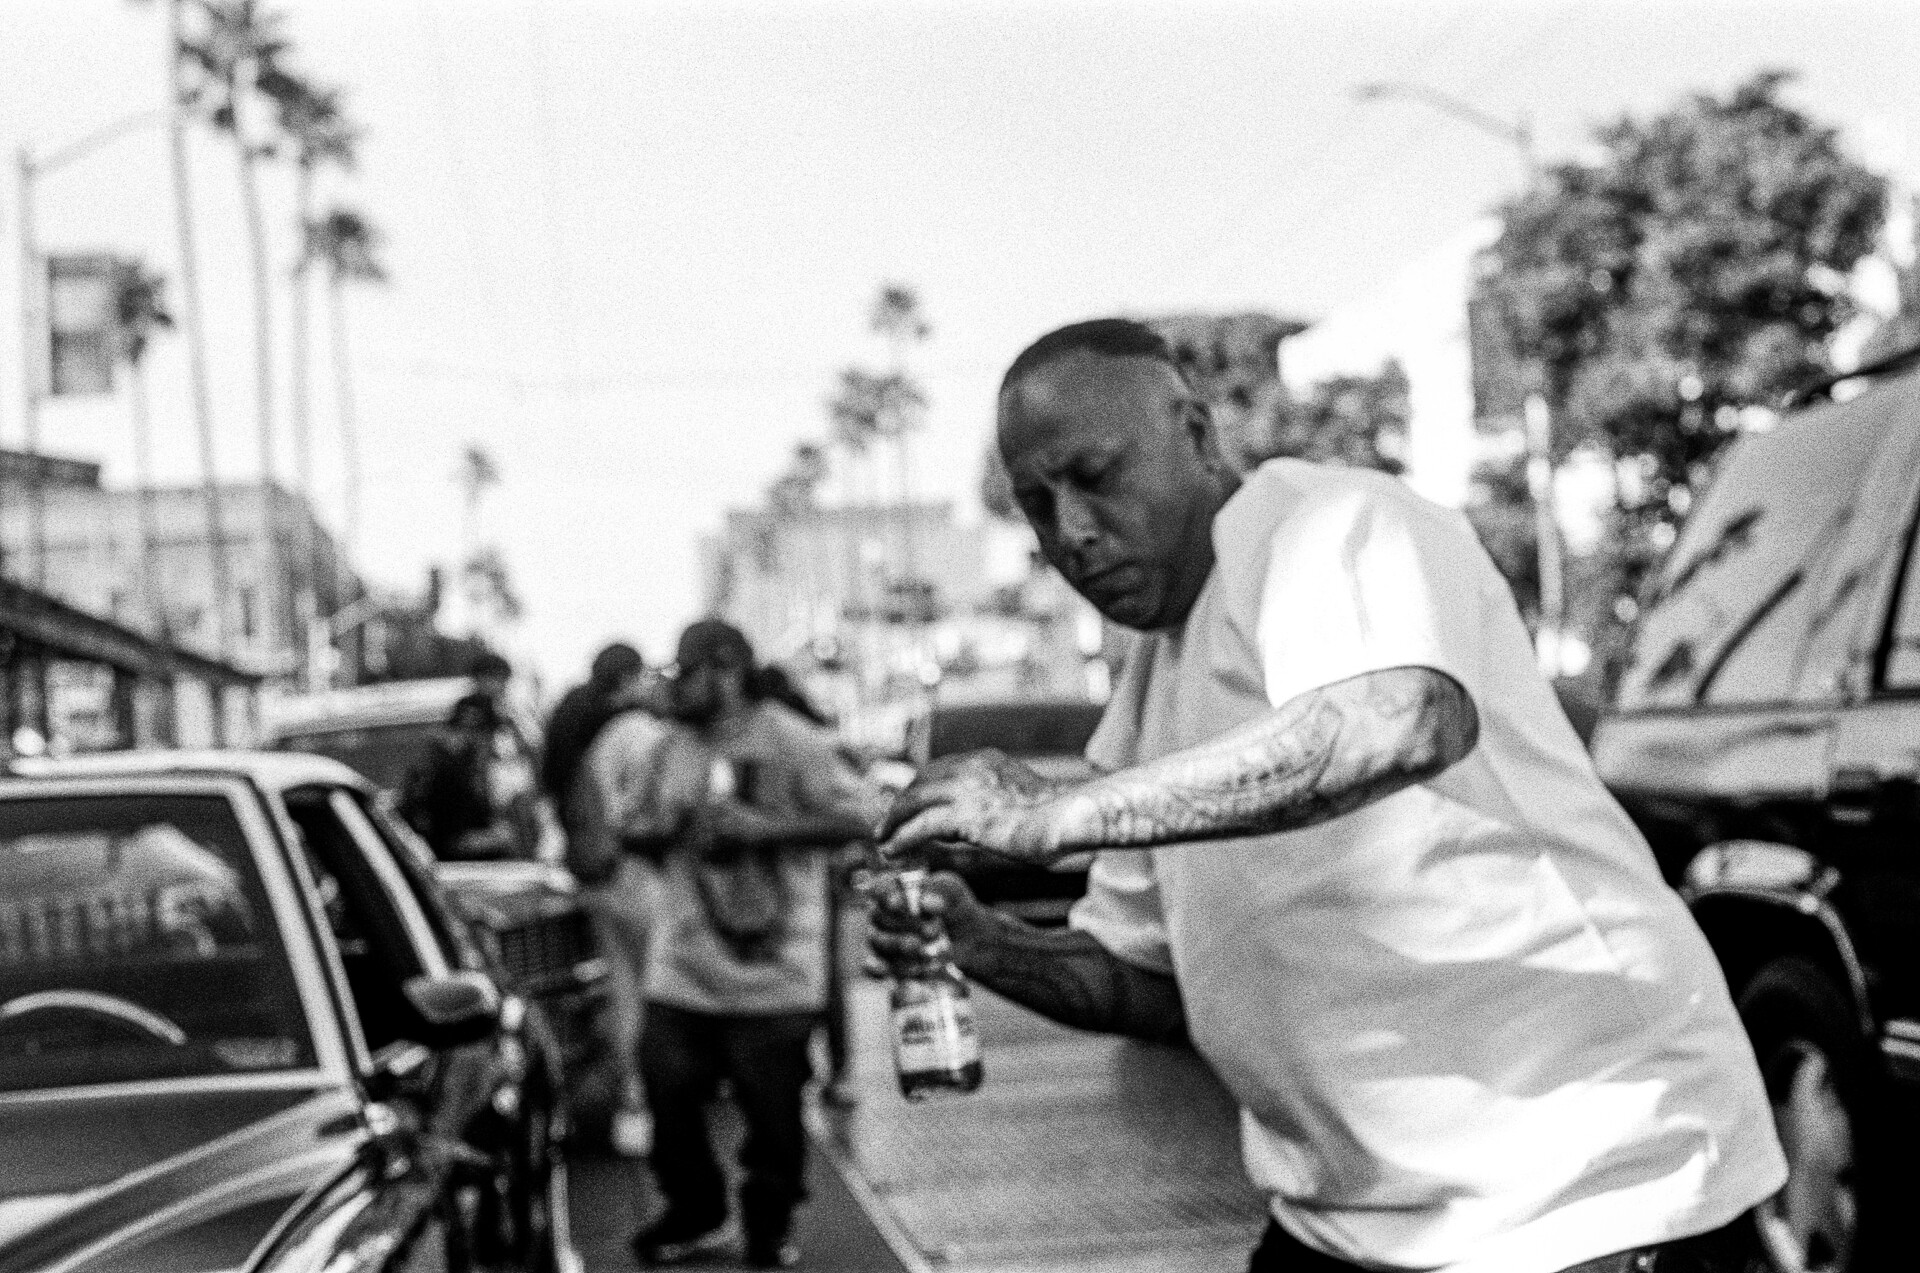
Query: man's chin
column 1131, row 611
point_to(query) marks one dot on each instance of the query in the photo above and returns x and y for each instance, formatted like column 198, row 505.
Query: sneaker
column 782, row 1254
column 677, row 1237
column 632, row 1133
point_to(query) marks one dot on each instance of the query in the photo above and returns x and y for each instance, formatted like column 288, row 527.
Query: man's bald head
column 1111, row 456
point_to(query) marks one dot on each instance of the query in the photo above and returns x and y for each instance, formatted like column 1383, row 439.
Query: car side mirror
column 401, row 1068
column 461, row 1007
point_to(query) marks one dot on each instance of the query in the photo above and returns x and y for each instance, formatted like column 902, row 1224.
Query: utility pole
column 32, row 332
column 1537, row 414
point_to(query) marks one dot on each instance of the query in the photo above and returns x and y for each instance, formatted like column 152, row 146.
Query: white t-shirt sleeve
column 1360, row 583
column 1121, row 909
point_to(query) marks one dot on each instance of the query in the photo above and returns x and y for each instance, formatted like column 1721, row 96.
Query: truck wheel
column 1817, row 1072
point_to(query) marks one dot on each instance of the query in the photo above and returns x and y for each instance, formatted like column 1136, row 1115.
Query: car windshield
column 380, row 753
column 136, row 943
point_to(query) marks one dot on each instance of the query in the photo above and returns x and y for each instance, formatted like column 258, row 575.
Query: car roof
column 275, row 770
column 389, row 703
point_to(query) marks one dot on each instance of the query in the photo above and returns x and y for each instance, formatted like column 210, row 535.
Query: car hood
column 508, row 894
column 175, row 1180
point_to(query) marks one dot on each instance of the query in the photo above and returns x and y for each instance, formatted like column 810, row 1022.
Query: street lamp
column 33, row 325
column 1518, row 133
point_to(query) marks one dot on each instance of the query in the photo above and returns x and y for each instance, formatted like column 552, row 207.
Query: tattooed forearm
column 1317, row 756
column 1070, row 978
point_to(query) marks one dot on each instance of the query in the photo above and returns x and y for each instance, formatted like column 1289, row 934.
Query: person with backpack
column 738, row 976
column 606, row 764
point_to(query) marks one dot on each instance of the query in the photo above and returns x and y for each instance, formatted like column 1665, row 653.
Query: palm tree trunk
column 143, row 482
column 349, row 441
column 270, row 555
column 196, row 345
column 155, row 599
column 907, row 569
column 306, row 565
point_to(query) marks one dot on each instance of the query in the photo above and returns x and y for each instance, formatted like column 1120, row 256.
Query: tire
column 1822, row 1082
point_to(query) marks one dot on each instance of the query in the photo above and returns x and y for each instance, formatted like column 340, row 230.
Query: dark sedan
column 241, row 1028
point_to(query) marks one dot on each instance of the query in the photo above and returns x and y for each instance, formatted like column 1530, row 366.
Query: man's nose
column 1079, row 529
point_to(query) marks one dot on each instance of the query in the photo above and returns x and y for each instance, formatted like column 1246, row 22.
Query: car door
column 1873, row 808
column 438, row 1184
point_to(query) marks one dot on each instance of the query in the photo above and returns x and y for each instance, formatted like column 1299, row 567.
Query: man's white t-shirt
column 1468, row 1025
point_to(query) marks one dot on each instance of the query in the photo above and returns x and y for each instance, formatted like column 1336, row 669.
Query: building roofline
column 51, row 622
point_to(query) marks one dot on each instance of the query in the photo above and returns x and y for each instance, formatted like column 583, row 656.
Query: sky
column 632, row 244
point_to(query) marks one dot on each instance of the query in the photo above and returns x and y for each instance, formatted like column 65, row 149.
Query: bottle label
column 936, row 1035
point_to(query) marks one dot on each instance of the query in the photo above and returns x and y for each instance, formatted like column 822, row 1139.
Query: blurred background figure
column 738, row 982
column 606, row 765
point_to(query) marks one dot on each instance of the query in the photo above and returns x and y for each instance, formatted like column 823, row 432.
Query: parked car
column 1048, row 734
column 243, row 1027
column 1766, row 738
column 526, row 901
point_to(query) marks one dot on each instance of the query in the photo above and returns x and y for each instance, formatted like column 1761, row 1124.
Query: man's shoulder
column 632, row 730
column 1316, row 501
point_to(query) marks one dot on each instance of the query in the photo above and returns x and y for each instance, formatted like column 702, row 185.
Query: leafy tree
column 1352, row 419
column 1901, row 330
column 1694, row 267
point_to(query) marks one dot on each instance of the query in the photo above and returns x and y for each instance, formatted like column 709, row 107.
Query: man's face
column 702, row 690
column 1112, row 461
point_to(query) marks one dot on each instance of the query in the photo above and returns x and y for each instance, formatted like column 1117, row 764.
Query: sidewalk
column 1079, row 1153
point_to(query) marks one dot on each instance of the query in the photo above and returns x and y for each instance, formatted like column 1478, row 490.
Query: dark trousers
column 683, row 1057
column 1733, row 1249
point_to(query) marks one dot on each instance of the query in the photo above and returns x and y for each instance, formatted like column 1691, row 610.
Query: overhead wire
column 1391, row 153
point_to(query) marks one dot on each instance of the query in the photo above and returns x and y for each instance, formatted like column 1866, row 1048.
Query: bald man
column 1351, row 848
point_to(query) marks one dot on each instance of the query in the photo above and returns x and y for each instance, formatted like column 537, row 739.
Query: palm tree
column 140, row 310
column 482, row 570
column 311, row 116
column 238, row 47
column 897, row 319
column 349, row 246
column 179, row 100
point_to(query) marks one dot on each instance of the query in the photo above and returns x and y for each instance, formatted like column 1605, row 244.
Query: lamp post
column 33, row 315
column 1538, row 416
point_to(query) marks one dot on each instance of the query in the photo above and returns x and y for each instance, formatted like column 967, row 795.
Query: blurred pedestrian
column 738, row 974
column 775, row 684
column 447, row 794
column 1382, row 889
column 612, row 686
column 606, row 764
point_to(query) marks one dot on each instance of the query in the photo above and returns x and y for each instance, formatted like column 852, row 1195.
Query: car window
column 1902, row 670
column 383, row 936
column 1019, row 729
column 1729, row 612
column 381, row 754
column 137, row 943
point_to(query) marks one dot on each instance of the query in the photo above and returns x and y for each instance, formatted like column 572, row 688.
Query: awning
column 67, row 632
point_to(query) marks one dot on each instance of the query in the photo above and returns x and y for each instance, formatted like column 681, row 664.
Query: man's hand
column 730, row 822
column 1058, row 972
column 902, row 937
column 985, row 799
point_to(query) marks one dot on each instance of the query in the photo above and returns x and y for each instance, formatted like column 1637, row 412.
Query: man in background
column 605, row 754
column 738, row 978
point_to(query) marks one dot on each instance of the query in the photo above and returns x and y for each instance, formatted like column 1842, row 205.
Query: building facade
column 143, row 558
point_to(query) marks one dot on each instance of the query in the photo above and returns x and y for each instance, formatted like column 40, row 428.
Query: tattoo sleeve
column 1071, row 978
column 1318, row 755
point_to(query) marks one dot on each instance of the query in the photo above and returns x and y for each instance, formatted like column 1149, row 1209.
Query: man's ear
column 1196, row 419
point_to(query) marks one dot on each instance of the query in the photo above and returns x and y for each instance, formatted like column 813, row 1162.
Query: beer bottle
column 936, row 1045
